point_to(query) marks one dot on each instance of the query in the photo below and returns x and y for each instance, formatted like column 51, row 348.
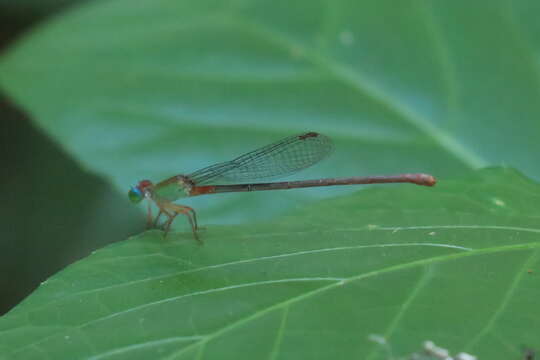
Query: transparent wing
column 281, row 158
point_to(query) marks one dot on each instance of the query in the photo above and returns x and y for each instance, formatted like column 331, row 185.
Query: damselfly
column 282, row 158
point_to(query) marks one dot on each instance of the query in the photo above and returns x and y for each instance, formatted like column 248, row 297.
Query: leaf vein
column 389, row 269
column 279, row 335
column 504, row 303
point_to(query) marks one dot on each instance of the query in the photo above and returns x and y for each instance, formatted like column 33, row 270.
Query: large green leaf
column 458, row 264
column 151, row 88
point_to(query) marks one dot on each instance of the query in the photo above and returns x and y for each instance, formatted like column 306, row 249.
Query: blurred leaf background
column 99, row 94
column 51, row 200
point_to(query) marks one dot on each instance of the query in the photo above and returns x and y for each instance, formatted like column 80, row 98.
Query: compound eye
column 135, row 195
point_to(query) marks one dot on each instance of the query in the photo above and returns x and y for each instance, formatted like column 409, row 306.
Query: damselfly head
column 139, row 192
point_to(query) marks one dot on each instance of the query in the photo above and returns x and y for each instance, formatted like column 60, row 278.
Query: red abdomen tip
column 429, row 180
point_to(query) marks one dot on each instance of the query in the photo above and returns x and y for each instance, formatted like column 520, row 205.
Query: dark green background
column 49, row 199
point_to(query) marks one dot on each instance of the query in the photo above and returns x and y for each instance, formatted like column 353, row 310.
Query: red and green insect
column 281, row 158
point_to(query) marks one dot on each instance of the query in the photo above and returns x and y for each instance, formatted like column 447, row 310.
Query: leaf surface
column 458, row 264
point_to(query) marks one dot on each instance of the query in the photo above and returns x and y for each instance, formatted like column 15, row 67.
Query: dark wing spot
column 308, row 135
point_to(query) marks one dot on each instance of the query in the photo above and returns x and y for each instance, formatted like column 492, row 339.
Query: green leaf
column 458, row 264
column 149, row 89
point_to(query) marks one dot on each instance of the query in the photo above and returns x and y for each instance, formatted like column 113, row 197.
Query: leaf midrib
column 357, row 81
column 237, row 262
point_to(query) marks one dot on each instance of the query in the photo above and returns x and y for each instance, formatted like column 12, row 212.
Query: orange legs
column 149, row 220
column 171, row 210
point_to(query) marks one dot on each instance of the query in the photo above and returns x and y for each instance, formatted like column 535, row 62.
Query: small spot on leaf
column 498, row 202
column 346, row 38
